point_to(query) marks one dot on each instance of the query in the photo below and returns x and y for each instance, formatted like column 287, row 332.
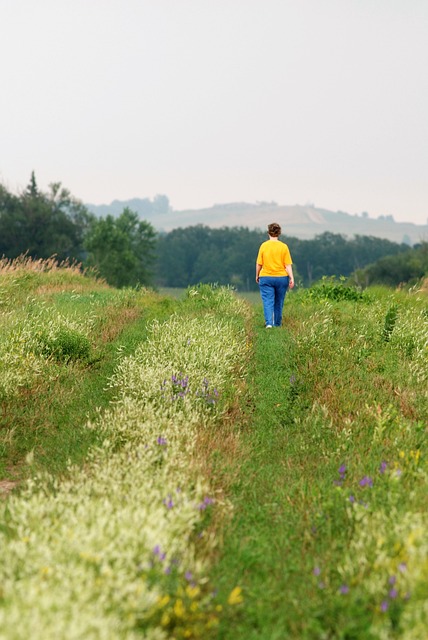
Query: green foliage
column 199, row 254
column 42, row 224
column 67, row 344
column 187, row 256
column 331, row 289
column 405, row 268
column 122, row 249
column 390, row 320
column 331, row 254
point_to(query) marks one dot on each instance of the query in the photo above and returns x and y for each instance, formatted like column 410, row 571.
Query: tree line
column 227, row 256
column 42, row 224
column 127, row 250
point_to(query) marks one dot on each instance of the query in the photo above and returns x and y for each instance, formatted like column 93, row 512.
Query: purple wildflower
column 316, row 571
column 206, row 503
column 402, row 567
column 188, row 575
column 344, row 589
column 161, row 441
column 392, row 580
column 342, row 469
column 384, row 606
column 366, row 482
column 157, row 552
column 168, row 503
column 383, row 466
column 393, row 593
column 352, row 499
column 167, row 571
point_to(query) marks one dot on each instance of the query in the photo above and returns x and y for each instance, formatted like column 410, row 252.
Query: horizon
column 260, row 203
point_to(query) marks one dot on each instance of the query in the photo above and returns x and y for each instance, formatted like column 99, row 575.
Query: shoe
column 268, row 326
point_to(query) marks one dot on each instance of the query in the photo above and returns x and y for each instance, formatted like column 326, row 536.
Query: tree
column 407, row 267
column 195, row 254
column 42, row 224
column 161, row 204
column 122, row 249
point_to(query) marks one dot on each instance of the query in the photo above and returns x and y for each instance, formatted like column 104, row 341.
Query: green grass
column 321, row 455
column 48, row 419
column 325, row 393
column 173, row 292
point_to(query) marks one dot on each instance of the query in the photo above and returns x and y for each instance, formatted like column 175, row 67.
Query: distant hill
column 298, row 221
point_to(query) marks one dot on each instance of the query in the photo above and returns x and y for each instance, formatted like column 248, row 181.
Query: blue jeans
column 272, row 291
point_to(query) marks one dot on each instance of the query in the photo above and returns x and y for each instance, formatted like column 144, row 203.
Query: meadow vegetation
column 329, row 535
column 180, row 472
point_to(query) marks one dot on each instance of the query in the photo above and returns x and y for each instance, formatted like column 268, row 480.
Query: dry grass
column 115, row 320
column 27, row 263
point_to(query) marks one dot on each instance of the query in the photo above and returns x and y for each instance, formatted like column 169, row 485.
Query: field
column 170, row 469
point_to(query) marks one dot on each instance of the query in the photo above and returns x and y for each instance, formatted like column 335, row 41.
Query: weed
column 65, row 345
column 330, row 289
column 390, row 320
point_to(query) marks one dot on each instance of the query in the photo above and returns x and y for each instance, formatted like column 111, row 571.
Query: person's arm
column 258, row 269
column 289, row 270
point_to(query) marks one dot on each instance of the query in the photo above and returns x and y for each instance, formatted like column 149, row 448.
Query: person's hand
column 257, row 279
column 291, row 285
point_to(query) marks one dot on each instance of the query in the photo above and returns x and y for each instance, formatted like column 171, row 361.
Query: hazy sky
column 297, row 101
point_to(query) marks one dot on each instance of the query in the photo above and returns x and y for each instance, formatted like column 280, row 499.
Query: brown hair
column 274, row 229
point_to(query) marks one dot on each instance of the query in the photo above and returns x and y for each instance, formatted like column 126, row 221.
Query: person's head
column 274, row 230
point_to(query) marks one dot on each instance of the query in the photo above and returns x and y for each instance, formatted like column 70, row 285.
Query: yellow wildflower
column 212, row 622
column 179, row 609
column 163, row 601
column 192, row 592
column 165, row 620
column 235, row 596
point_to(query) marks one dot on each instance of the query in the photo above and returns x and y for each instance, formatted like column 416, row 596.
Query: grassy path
column 49, row 420
column 327, row 536
column 257, row 545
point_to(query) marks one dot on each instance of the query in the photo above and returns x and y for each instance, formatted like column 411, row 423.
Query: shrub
column 66, row 344
column 329, row 289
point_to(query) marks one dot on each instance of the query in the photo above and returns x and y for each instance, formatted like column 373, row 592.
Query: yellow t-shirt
column 273, row 256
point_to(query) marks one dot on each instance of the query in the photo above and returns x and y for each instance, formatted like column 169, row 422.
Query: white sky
column 297, row 101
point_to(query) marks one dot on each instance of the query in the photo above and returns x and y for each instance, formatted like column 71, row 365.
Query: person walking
column 274, row 275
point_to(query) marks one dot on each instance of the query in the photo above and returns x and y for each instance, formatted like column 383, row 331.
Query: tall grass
column 119, row 548
column 294, row 459
column 59, row 334
column 329, row 535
